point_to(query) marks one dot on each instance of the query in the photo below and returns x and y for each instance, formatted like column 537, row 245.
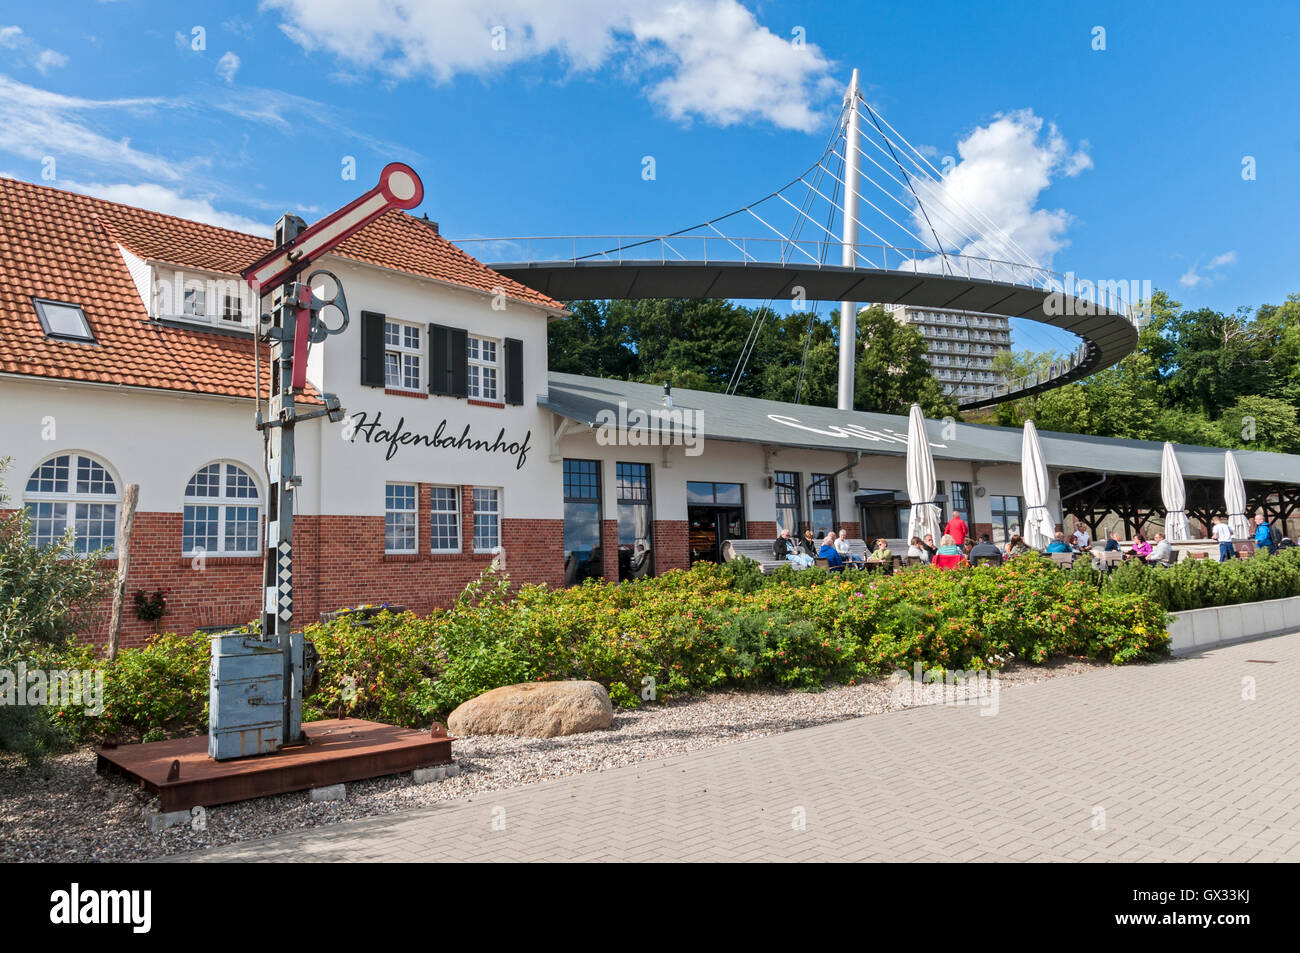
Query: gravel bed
column 63, row 810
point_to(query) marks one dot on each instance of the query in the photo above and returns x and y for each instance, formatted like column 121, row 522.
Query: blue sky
column 547, row 136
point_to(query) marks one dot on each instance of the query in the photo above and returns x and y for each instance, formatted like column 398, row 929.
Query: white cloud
column 13, row 38
column 47, row 60
column 228, row 66
column 35, row 123
column 710, row 60
column 1194, row 277
column 1002, row 171
column 161, row 198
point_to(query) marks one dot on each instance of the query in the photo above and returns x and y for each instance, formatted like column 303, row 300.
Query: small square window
column 196, row 303
column 61, row 320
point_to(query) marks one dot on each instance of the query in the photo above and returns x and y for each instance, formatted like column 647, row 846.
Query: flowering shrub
column 684, row 631
column 152, row 692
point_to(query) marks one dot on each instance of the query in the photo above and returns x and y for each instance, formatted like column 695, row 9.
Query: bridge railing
column 1008, row 388
column 717, row 248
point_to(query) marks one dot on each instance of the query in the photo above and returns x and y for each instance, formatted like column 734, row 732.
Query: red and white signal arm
column 399, row 187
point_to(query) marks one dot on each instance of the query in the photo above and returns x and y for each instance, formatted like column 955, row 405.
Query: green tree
column 45, row 597
column 1256, row 422
column 892, row 369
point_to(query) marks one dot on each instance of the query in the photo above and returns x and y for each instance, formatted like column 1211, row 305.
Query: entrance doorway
column 710, row 527
column 883, row 513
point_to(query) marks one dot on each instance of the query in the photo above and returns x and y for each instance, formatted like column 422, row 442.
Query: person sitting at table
column 1081, row 538
column 1161, row 552
column 844, row 549
column 1140, row 549
column 1058, row 544
column 1016, row 546
column 985, row 551
column 808, row 545
column 881, row 551
column 1112, row 543
column 916, row 550
column 927, row 542
column 786, row 549
column 828, row 552
column 949, row 554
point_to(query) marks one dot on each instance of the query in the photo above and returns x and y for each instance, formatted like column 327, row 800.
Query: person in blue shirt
column 828, row 552
column 1263, row 534
column 1058, row 544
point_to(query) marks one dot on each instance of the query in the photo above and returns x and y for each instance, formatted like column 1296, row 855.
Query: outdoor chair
column 1062, row 560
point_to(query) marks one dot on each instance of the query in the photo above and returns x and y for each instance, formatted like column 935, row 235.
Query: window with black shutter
column 372, row 349
column 448, row 361
column 514, row 371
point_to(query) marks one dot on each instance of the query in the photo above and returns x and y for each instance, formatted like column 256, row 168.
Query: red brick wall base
column 672, row 546
column 339, row 561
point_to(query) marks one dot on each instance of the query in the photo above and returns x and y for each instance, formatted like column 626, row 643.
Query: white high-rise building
column 960, row 345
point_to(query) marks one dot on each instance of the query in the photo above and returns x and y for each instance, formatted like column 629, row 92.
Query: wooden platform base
column 337, row 750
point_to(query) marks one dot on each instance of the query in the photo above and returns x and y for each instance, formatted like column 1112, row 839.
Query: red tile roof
column 62, row 245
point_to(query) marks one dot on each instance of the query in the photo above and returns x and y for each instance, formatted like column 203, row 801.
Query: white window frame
column 494, row 512
column 435, row 509
column 407, row 356
column 226, row 315
column 72, row 499
column 188, row 294
column 414, row 511
column 223, row 501
column 474, row 345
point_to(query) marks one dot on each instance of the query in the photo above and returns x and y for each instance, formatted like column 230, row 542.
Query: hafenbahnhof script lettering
column 398, row 435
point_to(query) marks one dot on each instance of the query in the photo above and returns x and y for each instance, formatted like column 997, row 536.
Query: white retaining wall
column 1198, row 629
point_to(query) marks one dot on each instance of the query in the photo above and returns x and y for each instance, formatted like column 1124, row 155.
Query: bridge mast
column 849, row 309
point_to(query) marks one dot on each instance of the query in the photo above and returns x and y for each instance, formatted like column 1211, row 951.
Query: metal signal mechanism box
column 246, row 695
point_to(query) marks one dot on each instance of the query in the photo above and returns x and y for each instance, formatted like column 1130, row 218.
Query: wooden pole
column 123, row 565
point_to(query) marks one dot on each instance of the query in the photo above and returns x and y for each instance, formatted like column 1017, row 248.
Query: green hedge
column 1198, row 583
column 688, row 631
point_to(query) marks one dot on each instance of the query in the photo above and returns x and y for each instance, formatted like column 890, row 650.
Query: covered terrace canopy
column 1099, row 475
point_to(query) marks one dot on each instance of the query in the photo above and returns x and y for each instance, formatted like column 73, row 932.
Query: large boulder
column 535, row 710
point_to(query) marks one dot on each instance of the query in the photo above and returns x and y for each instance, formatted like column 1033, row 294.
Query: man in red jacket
column 956, row 528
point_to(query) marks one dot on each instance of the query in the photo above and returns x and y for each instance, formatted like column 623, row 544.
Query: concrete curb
column 1198, row 629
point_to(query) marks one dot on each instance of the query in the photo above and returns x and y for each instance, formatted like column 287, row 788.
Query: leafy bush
column 681, row 632
column 1198, row 583
column 45, row 597
column 158, row 690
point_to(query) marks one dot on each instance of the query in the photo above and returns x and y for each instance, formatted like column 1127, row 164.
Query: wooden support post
column 123, row 565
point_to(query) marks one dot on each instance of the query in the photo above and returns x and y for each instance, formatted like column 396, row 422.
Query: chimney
column 668, row 394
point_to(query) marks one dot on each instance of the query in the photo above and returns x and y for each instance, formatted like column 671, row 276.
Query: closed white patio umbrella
column 1039, row 525
column 920, row 479
column 1174, row 494
column 1234, row 498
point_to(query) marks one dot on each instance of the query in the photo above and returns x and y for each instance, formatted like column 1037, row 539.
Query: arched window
column 222, row 512
column 73, row 490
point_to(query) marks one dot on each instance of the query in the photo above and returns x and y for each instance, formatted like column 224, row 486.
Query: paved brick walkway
column 1161, row 762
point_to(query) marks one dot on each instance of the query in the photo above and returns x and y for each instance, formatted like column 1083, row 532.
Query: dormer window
column 232, row 310
column 64, row 321
column 195, row 305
